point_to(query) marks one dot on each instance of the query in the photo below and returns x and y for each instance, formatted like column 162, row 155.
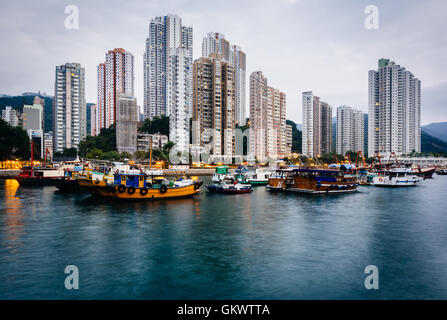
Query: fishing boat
column 252, row 175
column 89, row 179
column 44, row 175
column 396, row 177
column 229, row 187
column 141, row 187
column 39, row 176
column 441, row 172
column 426, row 173
column 70, row 182
column 221, row 173
column 312, row 180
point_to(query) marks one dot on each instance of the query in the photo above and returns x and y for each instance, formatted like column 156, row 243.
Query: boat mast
column 150, row 155
column 32, row 157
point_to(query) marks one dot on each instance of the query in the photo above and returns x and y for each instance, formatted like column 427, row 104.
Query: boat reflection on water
column 13, row 213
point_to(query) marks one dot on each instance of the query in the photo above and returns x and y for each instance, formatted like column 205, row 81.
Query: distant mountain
column 432, row 144
column 437, row 130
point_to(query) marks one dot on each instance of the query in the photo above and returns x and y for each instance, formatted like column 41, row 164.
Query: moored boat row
column 127, row 182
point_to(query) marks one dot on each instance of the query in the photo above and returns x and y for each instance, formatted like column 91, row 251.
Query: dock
column 8, row 173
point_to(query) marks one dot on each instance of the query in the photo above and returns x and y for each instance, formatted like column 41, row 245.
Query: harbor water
column 251, row 246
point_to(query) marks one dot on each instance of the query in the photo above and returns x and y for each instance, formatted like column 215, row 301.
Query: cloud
column 319, row 45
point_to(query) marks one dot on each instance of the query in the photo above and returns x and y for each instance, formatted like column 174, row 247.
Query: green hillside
column 296, row 137
column 437, row 130
column 430, row 144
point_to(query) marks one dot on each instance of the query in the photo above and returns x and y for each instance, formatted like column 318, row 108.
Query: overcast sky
column 299, row 45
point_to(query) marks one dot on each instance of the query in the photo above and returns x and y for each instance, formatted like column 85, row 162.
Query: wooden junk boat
column 312, row 180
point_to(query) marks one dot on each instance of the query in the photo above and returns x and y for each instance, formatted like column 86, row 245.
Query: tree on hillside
column 14, row 142
column 105, row 141
column 296, row 137
column 156, row 125
column 163, row 153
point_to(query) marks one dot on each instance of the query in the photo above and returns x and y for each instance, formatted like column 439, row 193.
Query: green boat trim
column 259, row 183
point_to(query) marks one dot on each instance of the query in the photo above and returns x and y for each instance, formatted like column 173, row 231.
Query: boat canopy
column 222, row 170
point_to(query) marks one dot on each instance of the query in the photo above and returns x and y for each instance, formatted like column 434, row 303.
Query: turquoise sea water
column 251, row 246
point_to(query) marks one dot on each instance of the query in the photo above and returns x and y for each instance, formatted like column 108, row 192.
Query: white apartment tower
column 179, row 97
column 115, row 76
column 350, row 130
column 165, row 33
column 317, row 126
column 216, row 43
column 69, row 107
column 394, row 110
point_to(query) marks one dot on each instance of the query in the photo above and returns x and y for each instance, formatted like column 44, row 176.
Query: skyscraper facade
column 115, row 76
column 216, row 43
column 69, row 107
column 394, row 110
column 325, row 128
column 350, row 130
column 179, row 97
column 317, row 125
column 289, row 139
column 268, row 131
column 93, row 120
column 165, row 33
column 214, row 105
column 258, row 115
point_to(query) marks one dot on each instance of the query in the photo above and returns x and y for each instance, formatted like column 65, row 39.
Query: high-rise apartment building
column 258, row 115
column 69, row 107
column 165, row 34
column 10, row 116
column 289, row 139
column 317, row 126
column 179, row 97
column 216, row 43
column 268, row 137
column 127, row 116
column 93, row 120
column 325, row 128
column 350, row 130
column 214, row 105
column 48, row 143
column 33, row 123
column 115, row 76
column 394, row 115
